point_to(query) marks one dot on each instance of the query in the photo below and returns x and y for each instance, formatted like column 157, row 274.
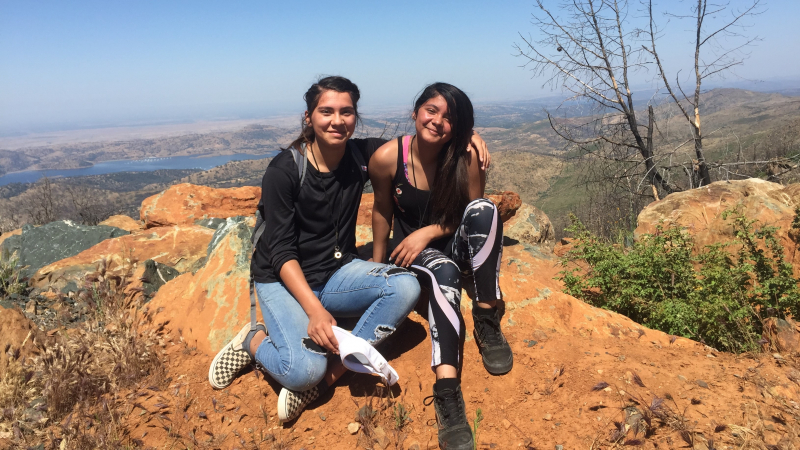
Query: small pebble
column 548, row 417
column 353, row 427
column 506, row 424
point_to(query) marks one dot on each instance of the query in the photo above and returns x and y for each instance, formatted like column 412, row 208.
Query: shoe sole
column 500, row 369
column 282, row 413
column 214, row 364
column 444, row 446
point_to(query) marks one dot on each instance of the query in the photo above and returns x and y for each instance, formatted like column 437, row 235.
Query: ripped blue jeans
column 380, row 295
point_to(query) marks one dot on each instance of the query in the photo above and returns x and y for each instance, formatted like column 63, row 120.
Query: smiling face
column 333, row 119
column 432, row 121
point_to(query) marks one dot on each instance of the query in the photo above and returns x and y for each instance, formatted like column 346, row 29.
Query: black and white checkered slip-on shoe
column 232, row 359
column 291, row 403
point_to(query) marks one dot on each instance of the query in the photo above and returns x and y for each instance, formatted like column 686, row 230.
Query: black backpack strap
column 257, row 232
column 302, row 165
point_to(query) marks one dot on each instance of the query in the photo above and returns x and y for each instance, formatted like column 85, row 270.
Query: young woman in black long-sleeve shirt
column 305, row 267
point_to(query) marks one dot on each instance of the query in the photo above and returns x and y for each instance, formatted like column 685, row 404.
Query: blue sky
column 80, row 64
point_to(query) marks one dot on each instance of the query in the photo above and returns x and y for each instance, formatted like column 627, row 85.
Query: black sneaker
column 454, row 431
column 495, row 351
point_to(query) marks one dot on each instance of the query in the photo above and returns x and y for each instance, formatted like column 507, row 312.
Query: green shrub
column 718, row 295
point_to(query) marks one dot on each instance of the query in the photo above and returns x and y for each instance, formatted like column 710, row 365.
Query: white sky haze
column 96, row 63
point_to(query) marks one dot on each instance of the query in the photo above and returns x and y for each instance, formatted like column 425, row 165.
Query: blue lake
column 140, row 165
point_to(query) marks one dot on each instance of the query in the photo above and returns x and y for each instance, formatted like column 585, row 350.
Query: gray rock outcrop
column 37, row 247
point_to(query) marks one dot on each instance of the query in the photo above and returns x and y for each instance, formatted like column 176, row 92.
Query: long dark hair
column 311, row 97
column 450, row 191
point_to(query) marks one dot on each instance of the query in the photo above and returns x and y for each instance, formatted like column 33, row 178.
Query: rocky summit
column 583, row 377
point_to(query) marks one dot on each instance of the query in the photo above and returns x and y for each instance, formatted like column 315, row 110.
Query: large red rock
column 507, row 204
column 186, row 203
column 181, row 247
column 208, row 307
column 700, row 211
column 124, row 222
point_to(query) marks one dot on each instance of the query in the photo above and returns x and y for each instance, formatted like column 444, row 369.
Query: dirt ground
column 692, row 396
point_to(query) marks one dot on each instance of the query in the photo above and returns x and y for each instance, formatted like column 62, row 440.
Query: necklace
column 337, row 253
column 416, row 189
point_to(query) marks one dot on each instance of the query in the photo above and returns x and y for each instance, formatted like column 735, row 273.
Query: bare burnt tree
column 718, row 47
column 595, row 50
column 775, row 156
column 590, row 51
column 90, row 206
column 40, row 203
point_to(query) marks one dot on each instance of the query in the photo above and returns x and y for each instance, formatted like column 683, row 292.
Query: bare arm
column 382, row 167
column 477, row 177
column 479, row 145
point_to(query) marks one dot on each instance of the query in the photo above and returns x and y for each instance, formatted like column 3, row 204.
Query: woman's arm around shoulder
column 477, row 176
column 382, row 168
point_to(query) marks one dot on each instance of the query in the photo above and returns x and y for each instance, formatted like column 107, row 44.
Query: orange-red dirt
column 522, row 407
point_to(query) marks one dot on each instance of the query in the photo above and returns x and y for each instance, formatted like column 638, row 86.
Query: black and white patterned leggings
column 477, row 251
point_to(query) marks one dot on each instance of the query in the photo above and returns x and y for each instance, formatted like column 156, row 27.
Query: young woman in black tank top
column 447, row 233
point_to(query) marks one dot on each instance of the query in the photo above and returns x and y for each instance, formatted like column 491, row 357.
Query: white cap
column 359, row 356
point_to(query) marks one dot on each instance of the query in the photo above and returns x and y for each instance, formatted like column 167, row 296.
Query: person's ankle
column 256, row 341
column 447, row 383
column 483, row 309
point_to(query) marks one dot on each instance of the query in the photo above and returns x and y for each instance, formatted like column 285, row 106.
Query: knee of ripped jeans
column 391, row 271
column 381, row 333
column 313, row 347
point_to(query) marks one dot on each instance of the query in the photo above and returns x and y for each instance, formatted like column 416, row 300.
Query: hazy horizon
column 90, row 65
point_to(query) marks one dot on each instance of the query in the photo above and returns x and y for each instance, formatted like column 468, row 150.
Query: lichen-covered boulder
column 37, row 247
column 183, row 248
column 208, row 307
column 529, row 225
column 8, row 234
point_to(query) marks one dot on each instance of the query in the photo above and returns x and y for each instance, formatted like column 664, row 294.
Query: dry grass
column 657, row 419
column 69, row 392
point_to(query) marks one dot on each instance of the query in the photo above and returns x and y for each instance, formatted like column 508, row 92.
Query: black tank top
column 412, row 209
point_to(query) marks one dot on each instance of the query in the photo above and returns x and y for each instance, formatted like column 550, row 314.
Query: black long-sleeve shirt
column 303, row 226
